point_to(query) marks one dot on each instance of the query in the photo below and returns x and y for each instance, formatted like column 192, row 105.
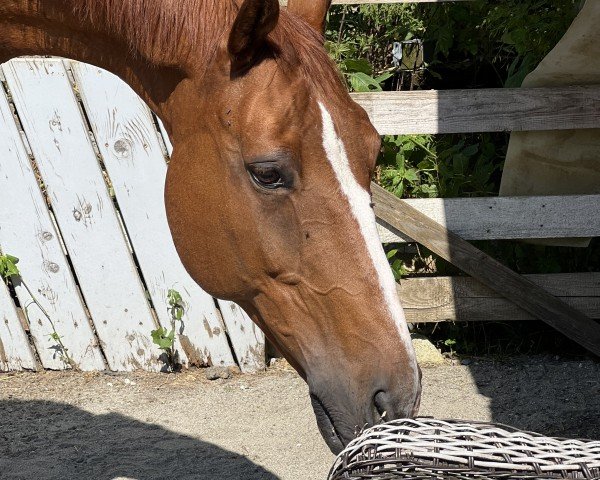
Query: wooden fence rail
column 509, row 218
column 483, row 110
column 439, row 299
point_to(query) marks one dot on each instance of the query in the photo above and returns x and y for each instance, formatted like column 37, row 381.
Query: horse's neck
column 70, row 28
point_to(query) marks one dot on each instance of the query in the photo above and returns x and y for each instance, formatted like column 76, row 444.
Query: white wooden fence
column 82, row 171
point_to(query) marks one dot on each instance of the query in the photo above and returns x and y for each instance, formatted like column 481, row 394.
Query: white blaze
column 360, row 205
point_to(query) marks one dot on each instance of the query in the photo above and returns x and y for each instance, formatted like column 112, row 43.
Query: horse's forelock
column 302, row 46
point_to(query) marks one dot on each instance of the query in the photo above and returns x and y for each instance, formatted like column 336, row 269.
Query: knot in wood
column 122, row 148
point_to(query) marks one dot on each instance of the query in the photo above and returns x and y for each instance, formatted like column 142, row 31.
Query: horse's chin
column 327, row 427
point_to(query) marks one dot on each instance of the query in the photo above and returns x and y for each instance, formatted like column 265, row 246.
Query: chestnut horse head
column 268, row 188
column 269, row 204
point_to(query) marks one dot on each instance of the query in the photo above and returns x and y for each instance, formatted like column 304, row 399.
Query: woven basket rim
column 452, row 448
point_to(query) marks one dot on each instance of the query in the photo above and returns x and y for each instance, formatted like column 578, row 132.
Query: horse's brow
column 275, row 155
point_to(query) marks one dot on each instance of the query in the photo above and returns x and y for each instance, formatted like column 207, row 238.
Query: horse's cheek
column 189, row 221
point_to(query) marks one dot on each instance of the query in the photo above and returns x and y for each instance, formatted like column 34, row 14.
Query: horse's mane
column 170, row 26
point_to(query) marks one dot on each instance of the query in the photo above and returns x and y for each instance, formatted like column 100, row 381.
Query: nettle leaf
column 389, row 156
column 163, row 338
column 8, row 266
column 400, row 161
column 427, row 165
column 518, row 70
column 430, row 191
column 12, row 259
column 399, row 190
column 411, row 175
column 361, row 82
column 176, row 304
column 470, row 150
column 357, row 65
column 174, row 297
column 445, row 38
column 459, row 164
column 382, row 78
column 399, row 269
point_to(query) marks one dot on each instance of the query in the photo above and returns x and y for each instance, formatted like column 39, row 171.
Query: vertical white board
column 27, row 232
column 129, row 144
column 15, row 352
column 85, row 212
column 247, row 339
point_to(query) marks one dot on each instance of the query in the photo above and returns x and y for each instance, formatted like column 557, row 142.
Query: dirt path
column 141, row 426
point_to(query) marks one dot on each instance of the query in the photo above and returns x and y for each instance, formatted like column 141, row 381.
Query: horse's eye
column 267, row 175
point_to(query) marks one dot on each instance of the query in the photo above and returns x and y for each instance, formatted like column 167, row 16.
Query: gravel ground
column 144, row 426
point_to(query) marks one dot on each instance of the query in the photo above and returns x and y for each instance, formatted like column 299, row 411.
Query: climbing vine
column 9, row 270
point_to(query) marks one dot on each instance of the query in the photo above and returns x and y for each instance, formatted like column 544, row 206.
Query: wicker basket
column 435, row 449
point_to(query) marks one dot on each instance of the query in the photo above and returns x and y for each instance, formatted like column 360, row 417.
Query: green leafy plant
column 8, row 266
column 359, row 74
column 367, row 33
column 417, row 166
column 450, row 343
column 10, row 270
column 165, row 338
column 398, row 266
column 470, row 44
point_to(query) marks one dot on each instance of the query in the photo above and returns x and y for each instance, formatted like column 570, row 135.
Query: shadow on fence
column 51, row 440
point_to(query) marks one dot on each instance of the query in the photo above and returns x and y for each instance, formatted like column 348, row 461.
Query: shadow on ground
column 551, row 397
column 49, row 440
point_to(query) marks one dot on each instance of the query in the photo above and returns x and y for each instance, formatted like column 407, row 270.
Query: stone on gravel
column 214, row 373
column 427, row 354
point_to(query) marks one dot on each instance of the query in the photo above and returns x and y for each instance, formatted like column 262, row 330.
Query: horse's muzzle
column 341, row 419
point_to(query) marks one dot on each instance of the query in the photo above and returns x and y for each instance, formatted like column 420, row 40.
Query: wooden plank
column 437, row 299
column 247, row 339
column 165, row 137
column 483, row 110
column 501, row 218
column 84, row 210
column 128, row 142
column 27, row 232
column 400, row 216
column 15, row 351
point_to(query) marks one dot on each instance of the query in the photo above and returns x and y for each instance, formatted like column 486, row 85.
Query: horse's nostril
column 380, row 407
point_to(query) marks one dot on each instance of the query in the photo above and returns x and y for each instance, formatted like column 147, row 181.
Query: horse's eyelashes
column 269, row 175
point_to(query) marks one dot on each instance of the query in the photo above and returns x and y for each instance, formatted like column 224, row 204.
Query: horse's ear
column 248, row 38
column 313, row 11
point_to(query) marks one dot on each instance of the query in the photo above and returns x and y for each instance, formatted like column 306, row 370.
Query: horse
column 272, row 163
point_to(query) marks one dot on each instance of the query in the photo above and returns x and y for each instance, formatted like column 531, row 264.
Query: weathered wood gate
column 96, row 251
column 93, row 242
